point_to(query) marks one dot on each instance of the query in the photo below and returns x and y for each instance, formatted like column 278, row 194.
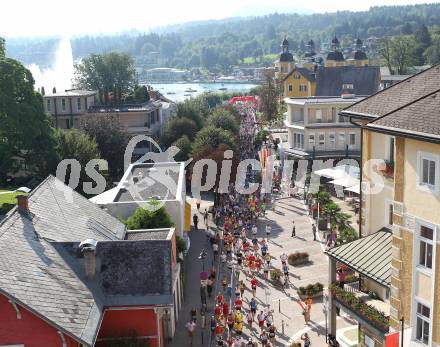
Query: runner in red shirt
column 218, row 313
column 254, row 283
column 225, row 310
column 238, row 304
column 219, row 298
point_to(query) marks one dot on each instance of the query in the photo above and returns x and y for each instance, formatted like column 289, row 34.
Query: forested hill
column 223, row 43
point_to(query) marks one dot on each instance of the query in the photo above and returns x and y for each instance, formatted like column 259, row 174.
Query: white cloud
column 52, row 17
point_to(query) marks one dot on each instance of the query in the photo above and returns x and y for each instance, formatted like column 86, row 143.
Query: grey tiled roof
column 421, row 117
column 34, row 275
column 42, row 268
column 370, row 256
column 61, row 214
column 365, row 80
column 398, row 95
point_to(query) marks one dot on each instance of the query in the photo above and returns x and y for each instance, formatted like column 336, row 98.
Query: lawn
column 7, row 200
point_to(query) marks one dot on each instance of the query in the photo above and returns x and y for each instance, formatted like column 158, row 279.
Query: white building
column 316, row 131
column 144, row 182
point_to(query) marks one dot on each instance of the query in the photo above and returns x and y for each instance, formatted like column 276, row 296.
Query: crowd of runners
column 242, row 259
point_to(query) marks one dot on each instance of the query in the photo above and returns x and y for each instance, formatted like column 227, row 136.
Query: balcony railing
column 355, row 301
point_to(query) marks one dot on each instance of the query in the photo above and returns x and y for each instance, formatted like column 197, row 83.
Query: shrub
column 145, row 218
column 297, row 258
column 180, row 244
column 311, row 289
column 275, row 274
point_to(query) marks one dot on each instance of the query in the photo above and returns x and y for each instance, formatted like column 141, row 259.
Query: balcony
column 365, row 306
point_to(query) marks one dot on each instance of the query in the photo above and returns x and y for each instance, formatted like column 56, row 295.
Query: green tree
column 110, row 73
column 73, row 144
column 221, row 118
column 184, row 144
column 213, row 137
column 25, row 131
column 269, row 96
column 195, row 110
column 150, row 217
column 177, row 127
column 432, row 53
column 139, row 94
column 2, row 48
column 399, row 53
column 422, row 36
column 111, row 139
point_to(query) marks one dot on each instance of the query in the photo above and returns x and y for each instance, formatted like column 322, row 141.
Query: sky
column 30, row 18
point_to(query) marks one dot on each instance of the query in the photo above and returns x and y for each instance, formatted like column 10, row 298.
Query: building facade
column 400, row 200
column 316, row 131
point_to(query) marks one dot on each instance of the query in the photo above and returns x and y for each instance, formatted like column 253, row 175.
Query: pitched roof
column 42, row 269
column 61, row 214
column 365, row 80
column 370, row 256
column 34, row 275
column 422, row 117
column 306, row 73
column 397, row 96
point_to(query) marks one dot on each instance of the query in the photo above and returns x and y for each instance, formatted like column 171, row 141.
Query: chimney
column 88, row 249
column 23, row 203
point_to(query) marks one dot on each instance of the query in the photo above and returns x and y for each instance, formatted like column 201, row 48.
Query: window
column 298, row 140
column 369, row 341
column 390, row 152
column 48, row 105
column 352, row 139
column 390, row 214
column 341, row 139
column 290, row 88
column 428, row 170
column 312, row 139
column 302, row 88
column 331, row 139
column 426, row 246
column 78, row 104
column 423, row 322
column 67, row 124
column 318, row 115
column 297, row 76
column 321, row 139
column 347, row 86
column 63, row 105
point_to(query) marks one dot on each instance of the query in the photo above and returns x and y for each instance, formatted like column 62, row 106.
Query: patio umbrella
column 355, row 189
column 338, row 172
column 346, row 181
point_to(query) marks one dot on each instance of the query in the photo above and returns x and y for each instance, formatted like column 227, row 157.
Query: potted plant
column 386, row 169
column 298, row 258
column 275, row 275
column 312, row 290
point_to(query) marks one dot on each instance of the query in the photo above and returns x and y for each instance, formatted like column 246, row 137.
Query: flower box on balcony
column 370, row 314
column 386, row 169
column 312, row 290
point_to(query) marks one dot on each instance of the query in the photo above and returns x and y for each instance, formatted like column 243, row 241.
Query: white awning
column 346, row 181
column 355, row 189
column 339, row 172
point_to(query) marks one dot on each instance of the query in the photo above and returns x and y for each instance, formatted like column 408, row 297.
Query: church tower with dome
column 285, row 64
column 359, row 57
column 335, row 58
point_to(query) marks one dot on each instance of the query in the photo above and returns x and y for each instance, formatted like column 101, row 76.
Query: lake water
column 179, row 89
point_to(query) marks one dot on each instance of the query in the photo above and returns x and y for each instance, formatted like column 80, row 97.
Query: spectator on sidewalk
column 306, row 339
column 293, row 229
column 196, row 221
column 314, row 231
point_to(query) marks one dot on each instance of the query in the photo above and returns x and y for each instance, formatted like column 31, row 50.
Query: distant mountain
column 250, row 38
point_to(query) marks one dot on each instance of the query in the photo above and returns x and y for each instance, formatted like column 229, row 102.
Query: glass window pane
column 425, row 171
column 432, row 172
column 426, row 232
column 429, row 258
column 425, row 332
column 422, row 253
column 419, row 329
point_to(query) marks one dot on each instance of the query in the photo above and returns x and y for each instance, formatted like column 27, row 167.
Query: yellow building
column 398, row 256
column 285, row 64
column 335, row 58
column 300, row 82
